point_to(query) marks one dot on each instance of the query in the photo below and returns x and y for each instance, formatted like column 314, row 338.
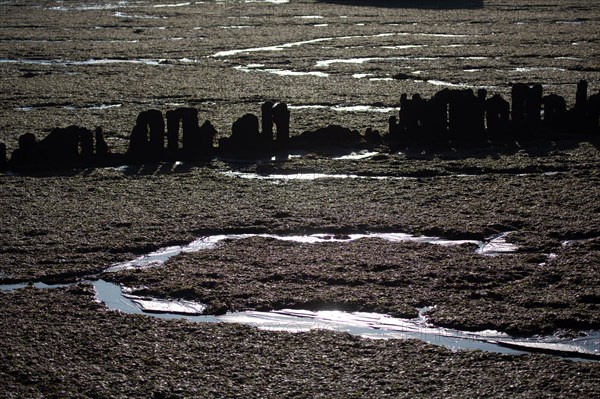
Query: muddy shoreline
column 333, row 63
column 550, row 216
column 119, row 355
column 509, row 293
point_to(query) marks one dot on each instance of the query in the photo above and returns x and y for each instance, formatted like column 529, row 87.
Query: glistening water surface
column 367, row 325
column 493, row 246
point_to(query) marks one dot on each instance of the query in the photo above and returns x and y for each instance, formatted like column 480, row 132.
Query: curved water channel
column 494, row 246
column 368, row 325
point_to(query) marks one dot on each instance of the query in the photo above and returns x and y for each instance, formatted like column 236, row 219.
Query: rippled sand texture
column 100, row 63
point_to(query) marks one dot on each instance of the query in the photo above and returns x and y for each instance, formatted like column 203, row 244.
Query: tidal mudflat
column 334, row 62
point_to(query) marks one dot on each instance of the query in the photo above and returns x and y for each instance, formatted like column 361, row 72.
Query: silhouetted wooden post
column 439, row 115
column 26, row 150
column 138, row 140
column 480, row 112
column 518, row 111
column 267, row 121
column 470, row 118
column 206, row 134
column 101, row 146
column 393, row 127
column 281, row 117
column 416, row 120
column 458, row 114
column 497, row 116
column 555, row 112
column 189, row 127
column 245, row 133
column 86, row 138
column 156, row 123
column 403, row 114
column 533, row 106
column 581, row 97
column 173, row 118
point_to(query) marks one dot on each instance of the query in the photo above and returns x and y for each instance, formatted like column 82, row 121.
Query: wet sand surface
column 64, row 63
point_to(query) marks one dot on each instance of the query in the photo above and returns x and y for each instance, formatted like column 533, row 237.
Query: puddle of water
column 171, row 5
column 363, row 60
column 497, row 246
column 186, row 60
column 535, row 69
column 368, row 325
column 306, row 176
column 494, row 246
column 280, row 47
column 152, row 305
column 571, row 22
column 404, row 46
column 280, row 72
column 85, row 62
column 314, row 176
column 159, row 257
column 120, row 14
column 361, row 75
column 364, row 108
column 440, row 34
column 111, row 295
column 236, row 27
column 347, row 108
column 284, row 157
column 327, row 63
column 446, row 84
column 358, row 155
column 587, row 347
column 97, row 107
column 91, row 7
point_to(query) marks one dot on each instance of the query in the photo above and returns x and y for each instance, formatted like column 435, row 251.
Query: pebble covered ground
column 100, row 64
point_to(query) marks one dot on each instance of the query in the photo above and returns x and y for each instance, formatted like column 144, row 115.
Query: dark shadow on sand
column 425, row 4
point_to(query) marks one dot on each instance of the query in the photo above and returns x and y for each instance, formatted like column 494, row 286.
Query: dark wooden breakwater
column 462, row 117
column 451, row 118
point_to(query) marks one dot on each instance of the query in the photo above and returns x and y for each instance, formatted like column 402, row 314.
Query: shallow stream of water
column 367, row 325
column 493, row 246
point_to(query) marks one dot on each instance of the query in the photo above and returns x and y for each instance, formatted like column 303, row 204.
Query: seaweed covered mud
column 314, row 229
column 71, row 347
